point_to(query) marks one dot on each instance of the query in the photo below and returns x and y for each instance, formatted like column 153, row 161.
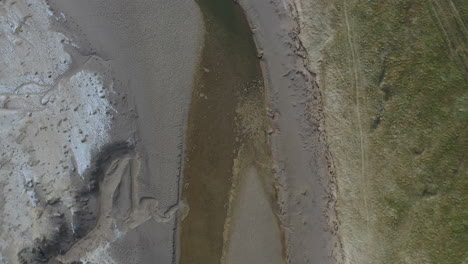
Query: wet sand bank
column 306, row 190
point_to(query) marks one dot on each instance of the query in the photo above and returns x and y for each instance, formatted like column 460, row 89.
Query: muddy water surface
column 226, row 137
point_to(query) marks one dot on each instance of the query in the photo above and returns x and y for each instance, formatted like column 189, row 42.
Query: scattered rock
column 260, row 55
column 53, row 201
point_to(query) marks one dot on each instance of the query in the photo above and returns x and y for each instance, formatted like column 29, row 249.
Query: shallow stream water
column 226, row 134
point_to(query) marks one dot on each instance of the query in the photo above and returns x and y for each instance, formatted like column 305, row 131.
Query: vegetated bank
column 393, row 75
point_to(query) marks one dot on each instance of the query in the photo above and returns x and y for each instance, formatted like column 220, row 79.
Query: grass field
column 394, row 80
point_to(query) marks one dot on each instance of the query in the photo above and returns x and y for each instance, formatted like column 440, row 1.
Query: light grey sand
column 152, row 48
column 54, row 116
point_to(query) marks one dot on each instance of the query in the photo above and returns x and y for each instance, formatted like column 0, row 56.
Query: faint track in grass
column 453, row 28
column 356, row 84
column 456, row 14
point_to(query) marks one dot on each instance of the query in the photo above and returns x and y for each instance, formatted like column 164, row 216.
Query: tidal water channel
column 228, row 184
